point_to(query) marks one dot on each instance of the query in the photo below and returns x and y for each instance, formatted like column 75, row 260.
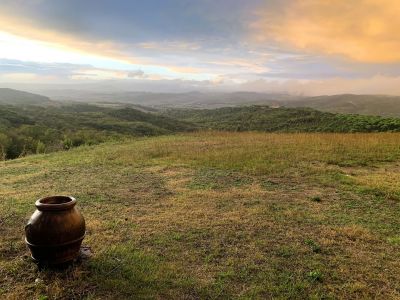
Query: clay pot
column 55, row 231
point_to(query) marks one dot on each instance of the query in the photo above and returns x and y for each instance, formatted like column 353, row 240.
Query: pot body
column 55, row 231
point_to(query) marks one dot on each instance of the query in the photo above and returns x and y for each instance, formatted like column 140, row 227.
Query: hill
column 264, row 118
column 32, row 129
column 215, row 216
column 375, row 105
column 35, row 129
column 15, row 97
column 380, row 105
column 171, row 100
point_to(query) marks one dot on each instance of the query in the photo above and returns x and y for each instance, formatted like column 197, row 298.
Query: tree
column 4, row 142
column 40, row 148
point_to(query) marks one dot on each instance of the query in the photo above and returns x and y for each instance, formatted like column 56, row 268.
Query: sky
column 296, row 46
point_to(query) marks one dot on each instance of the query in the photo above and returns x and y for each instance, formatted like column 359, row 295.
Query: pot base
column 55, row 255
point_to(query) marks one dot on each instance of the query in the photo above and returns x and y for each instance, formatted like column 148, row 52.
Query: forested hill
column 15, row 97
column 27, row 130
column 264, row 118
column 33, row 129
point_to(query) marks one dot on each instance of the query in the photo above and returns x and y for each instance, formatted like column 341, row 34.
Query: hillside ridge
column 16, row 97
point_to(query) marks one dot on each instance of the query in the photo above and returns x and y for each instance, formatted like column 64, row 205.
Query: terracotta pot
column 55, row 231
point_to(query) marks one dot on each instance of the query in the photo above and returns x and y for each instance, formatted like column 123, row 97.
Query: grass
column 215, row 215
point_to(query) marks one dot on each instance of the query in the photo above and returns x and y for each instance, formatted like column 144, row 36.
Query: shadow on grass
column 124, row 271
column 214, row 179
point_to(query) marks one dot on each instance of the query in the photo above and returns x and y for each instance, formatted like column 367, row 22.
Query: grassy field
column 215, row 216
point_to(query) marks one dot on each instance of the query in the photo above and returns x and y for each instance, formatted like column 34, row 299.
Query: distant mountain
column 379, row 105
column 15, row 97
column 165, row 100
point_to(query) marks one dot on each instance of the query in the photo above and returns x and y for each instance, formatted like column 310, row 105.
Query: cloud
column 361, row 30
column 136, row 74
column 49, row 73
column 23, row 67
column 176, row 35
column 373, row 85
column 303, row 43
column 16, row 70
column 130, row 22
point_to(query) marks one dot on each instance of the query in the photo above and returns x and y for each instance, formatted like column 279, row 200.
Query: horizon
column 63, row 87
column 295, row 47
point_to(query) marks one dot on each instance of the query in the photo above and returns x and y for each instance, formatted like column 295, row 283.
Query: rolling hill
column 265, row 118
column 380, row 105
column 15, row 97
column 193, row 99
column 375, row 105
column 32, row 129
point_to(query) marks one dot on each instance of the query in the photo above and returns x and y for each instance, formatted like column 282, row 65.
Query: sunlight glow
column 19, row 48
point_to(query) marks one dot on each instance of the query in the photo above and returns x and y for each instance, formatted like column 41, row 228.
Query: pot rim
column 57, row 202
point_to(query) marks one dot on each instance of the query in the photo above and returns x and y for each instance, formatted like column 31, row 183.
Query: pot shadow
column 84, row 254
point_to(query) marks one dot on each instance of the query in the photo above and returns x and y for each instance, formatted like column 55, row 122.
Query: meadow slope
column 215, row 215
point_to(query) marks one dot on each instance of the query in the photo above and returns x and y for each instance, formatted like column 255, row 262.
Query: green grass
column 215, row 215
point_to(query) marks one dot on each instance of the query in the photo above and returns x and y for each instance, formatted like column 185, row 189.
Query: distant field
column 212, row 215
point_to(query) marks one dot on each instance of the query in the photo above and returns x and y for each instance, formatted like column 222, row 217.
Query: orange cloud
column 378, row 84
column 362, row 30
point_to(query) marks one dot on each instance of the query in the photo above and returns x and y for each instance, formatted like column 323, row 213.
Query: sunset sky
column 297, row 46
